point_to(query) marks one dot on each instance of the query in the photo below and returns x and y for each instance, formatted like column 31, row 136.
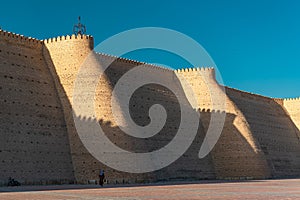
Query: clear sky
column 255, row 43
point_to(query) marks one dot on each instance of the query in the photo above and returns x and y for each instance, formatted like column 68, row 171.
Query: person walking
column 101, row 177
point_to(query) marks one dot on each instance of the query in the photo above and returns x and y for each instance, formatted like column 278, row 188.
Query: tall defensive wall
column 237, row 153
column 40, row 144
column 273, row 128
column 34, row 145
column 66, row 65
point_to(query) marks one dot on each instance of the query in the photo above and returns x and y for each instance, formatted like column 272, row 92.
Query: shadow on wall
column 274, row 131
column 232, row 158
column 233, row 155
column 34, row 147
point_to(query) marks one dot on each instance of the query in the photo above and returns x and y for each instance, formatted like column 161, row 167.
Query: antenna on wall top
column 79, row 29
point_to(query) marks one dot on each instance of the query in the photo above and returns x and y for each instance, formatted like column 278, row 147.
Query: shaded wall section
column 187, row 167
column 34, row 146
column 273, row 128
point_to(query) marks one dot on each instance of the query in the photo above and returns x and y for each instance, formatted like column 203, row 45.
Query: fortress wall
column 293, row 108
column 237, row 153
column 203, row 85
column 260, row 138
column 34, row 148
column 64, row 56
column 189, row 166
column 20, row 40
column 67, row 55
column 272, row 127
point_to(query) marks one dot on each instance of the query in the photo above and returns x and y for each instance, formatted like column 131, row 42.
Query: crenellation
column 67, row 38
column 126, row 60
column 250, row 94
column 292, row 99
column 207, row 110
column 19, row 38
column 195, row 69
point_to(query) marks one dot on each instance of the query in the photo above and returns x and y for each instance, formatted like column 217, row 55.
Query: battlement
column 292, row 99
column 135, row 62
column 196, row 72
column 250, row 94
column 8, row 34
column 205, row 110
column 20, row 39
column 131, row 61
column 68, row 37
column 196, row 69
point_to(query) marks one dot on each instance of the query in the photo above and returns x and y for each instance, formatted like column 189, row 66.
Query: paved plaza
column 262, row 189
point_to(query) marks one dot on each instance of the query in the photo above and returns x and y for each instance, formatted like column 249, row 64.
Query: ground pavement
column 261, row 189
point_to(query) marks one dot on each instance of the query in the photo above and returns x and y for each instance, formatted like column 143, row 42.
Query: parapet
column 292, row 99
column 211, row 111
column 68, row 37
column 195, row 69
column 252, row 95
column 20, row 39
column 134, row 62
column 208, row 72
column 71, row 38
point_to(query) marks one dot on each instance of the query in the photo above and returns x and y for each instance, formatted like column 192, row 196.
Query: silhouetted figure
column 13, row 182
column 101, row 177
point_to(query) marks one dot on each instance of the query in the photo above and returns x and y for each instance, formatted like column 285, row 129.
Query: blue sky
column 255, row 44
